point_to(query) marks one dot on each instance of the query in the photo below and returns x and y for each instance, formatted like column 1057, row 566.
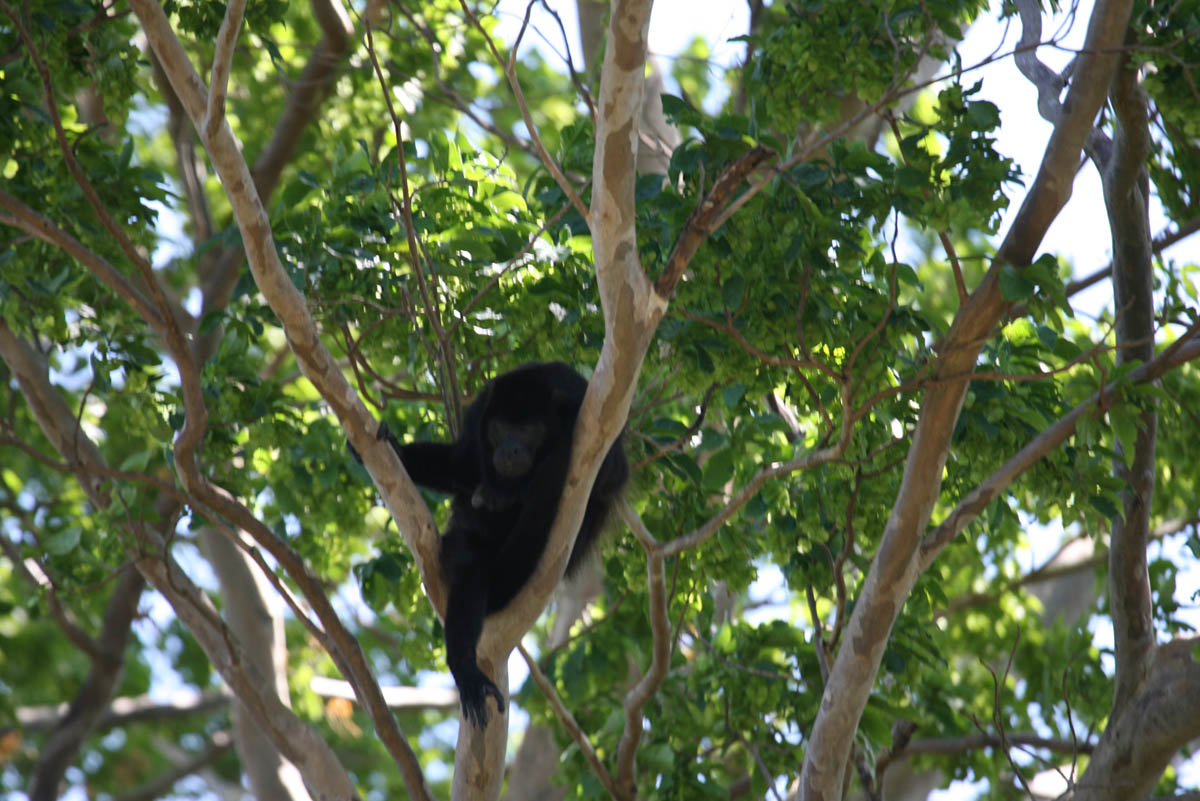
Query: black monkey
column 506, row 472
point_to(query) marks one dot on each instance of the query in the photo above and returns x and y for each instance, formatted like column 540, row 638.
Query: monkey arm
column 437, row 466
column 432, row 465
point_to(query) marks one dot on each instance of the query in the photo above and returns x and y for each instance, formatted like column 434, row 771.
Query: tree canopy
column 904, row 508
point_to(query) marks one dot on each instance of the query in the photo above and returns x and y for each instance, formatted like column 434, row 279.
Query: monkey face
column 514, row 446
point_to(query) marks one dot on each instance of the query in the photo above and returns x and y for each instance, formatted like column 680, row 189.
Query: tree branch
column 704, row 219
column 1164, row 240
column 1051, row 569
column 160, row 786
column 108, row 664
column 38, row 579
column 952, row 746
column 127, row 711
column 218, row 84
column 509, row 65
column 295, row 740
column 38, row 225
column 660, row 626
column 1126, row 197
column 1156, row 722
column 806, row 461
column 977, row 500
column 309, row 90
column 897, row 562
column 570, row 724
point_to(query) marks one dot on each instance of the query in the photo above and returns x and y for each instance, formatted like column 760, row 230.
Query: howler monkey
column 506, row 473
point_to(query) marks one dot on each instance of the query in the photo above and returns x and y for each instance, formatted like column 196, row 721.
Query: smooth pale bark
column 254, row 613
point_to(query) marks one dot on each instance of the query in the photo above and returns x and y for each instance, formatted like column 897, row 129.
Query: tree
column 831, row 369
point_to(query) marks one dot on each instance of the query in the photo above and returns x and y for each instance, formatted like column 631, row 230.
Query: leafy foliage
column 810, row 316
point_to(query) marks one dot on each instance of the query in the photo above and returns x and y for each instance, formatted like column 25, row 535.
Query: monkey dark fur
column 506, row 473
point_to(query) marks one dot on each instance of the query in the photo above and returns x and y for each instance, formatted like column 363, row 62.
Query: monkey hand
column 491, row 499
column 382, row 433
column 473, row 689
column 386, row 434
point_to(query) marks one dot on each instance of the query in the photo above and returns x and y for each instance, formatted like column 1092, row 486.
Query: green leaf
column 1013, row 285
column 719, row 469
column 679, row 112
column 136, row 462
column 1104, row 505
column 210, row 322
column 732, row 395
column 733, row 291
column 63, row 542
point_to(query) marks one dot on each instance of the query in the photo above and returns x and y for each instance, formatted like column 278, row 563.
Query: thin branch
column 837, row 568
column 1183, row 350
column 807, row 461
column 1049, row 570
column 568, row 60
column 397, row 697
column 218, row 84
column 96, row 469
column 707, row 217
column 733, row 732
column 953, row 746
column 517, row 260
column 660, row 626
column 40, row 226
column 951, row 254
column 62, row 615
column 570, row 724
column 160, row 786
column 1164, row 240
column 93, row 696
column 692, row 430
column 1066, row 696
column 445, row 350
column 450, row 96
column 510, row 72
column 127, row 711
column 902, row 732
column 818, row 634
column 191, row 175
column 1089, row 355
column 766, row 358
column 997, row 706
